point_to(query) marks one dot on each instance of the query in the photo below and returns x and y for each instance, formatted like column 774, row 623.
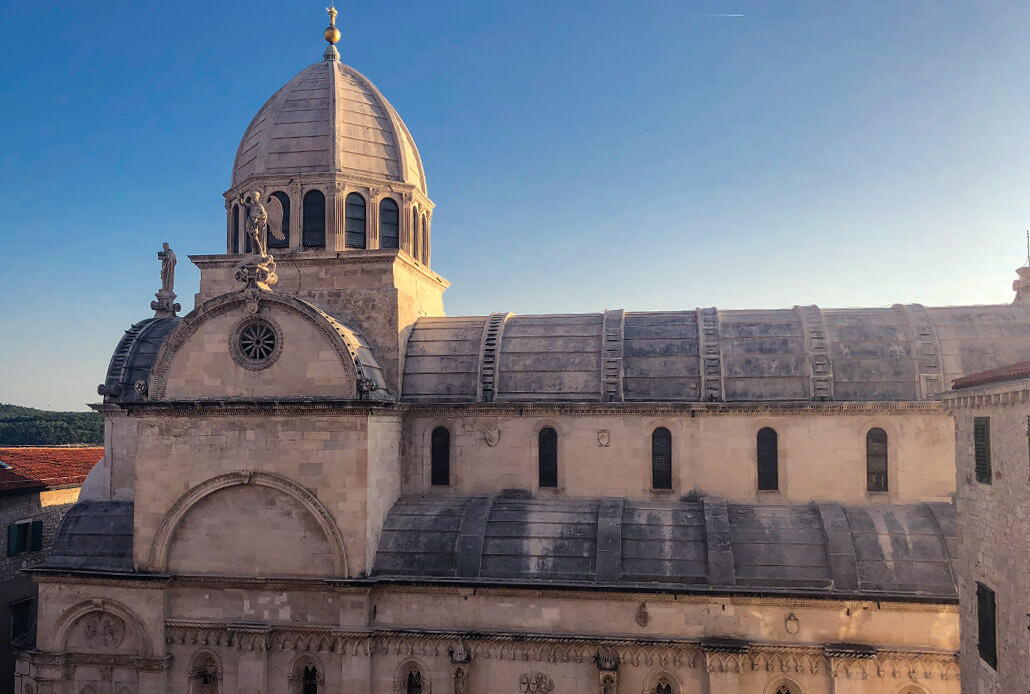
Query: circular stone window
column 255, row 343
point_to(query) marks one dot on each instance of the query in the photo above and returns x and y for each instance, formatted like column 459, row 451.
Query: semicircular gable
column 309, row 353
column 210, row 530
column 102, row 626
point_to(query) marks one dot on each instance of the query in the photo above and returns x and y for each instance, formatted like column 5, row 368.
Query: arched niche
column 102, row 626
column 240, row 540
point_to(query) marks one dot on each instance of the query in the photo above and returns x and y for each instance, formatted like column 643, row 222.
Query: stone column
column 372, row 226
column 426, row 240
column 336, row 219
column 228, row 225
column 296, row 215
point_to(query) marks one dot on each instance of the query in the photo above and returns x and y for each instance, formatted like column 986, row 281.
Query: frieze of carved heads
column 535, row 682
column 607, row 658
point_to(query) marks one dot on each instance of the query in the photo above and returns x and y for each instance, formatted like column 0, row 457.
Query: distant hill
column 25, row 426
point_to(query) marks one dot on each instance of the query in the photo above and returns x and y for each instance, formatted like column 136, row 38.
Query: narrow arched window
column 425, row 239
column 548, row 449
column 313, row 233
column 355, row 221
column 661, row 459
column 389, row 224
column 876, row 460
column 415, row 234
column 309, row 680
column 414, row 682
column 440, row 456
column 280, row 237
column 663, row 688
column 235, row 241
column 768, row 460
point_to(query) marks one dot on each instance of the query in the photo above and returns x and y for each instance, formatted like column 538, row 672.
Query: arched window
column 415, row 234
column 661, row 459
column 284, row 227
column 235, row 241
column 663, row 687
column 204, row 674
column 309, row 680
column 313, row 233
column 389, row 224
column 414, row 684
column 355, row 221
column 876, row 460
column 784, row 689
column 425, row 239
column 768, row 460
column 440, row 457
column 548, row 449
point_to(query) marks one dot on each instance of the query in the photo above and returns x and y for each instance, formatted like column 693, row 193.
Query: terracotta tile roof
column 1012, row 372
column 42, row 467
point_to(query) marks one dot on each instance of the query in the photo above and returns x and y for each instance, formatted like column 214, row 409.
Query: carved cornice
column 566, row 648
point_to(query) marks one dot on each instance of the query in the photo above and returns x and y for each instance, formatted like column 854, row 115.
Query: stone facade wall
column 994, row 524
column 367, row 639
column 325, row 455
column 821, row 456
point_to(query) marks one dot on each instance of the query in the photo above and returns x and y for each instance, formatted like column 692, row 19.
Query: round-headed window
column 255, row 343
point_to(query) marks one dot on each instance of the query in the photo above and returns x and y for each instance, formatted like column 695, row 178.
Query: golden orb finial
column 332, row 34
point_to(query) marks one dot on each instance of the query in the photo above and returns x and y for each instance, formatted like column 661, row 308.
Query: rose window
column 257, row 341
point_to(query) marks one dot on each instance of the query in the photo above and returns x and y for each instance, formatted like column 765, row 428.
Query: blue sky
column 582, row 156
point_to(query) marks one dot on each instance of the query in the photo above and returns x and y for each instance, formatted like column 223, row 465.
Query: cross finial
column 332, row 35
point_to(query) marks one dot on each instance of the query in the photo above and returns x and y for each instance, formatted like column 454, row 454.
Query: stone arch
column 296, row 677
column 661, row 678
column 343, row 340
column 784, row 685
column 408, row 666
column 178, row 511
column 132, row 623
column 911, row 688
column 205, row 673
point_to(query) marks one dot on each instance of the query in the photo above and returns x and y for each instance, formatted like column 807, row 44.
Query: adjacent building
column 37, row 487
column 316, row 481
column 992, row 457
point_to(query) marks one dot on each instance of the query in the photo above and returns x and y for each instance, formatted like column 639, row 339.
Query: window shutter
column 982, row 449
column 37, row 536
column 876, row 460
column 986, row 625
column 12, row 539
column 355, row 224
column 313, row 216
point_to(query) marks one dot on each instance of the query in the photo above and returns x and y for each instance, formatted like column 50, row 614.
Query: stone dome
column 329, row 119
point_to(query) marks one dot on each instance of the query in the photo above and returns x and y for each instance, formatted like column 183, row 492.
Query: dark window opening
column 548, row 450
column 982, row 449
column 415, row 233
column 440, row 457
column 313, row 234
column 663, row 688
column 768, row 460
column 355, row 229
column 23, row 537
column 661, row 459
column 309, row 680
column 986, row 624
column 389, row 224
column 414, row 682
column 876, row 460
column 235, row 233
column 284, row 230
column 22, row 617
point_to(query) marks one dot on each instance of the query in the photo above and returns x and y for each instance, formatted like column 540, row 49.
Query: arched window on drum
column 313, row 230
column 389, row 224
column 355, row 230
column 768, row 460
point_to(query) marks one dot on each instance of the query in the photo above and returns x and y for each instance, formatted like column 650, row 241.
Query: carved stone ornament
column 607, row 659
column 642, row 616
column 256, row 342
column 459, row 653
column 792, row 624
column 609, row 682
column 461, row 679
column 165, row 306
column 103, row 630
column 493, row 436
column 535, row 682
column 604, row 438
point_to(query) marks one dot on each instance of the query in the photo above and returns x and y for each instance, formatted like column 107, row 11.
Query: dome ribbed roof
column 329, row 118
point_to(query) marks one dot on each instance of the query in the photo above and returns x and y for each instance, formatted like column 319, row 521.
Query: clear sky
column 657, row 154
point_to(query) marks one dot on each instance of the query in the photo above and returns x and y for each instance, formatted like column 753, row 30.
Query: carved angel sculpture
column 257, row 221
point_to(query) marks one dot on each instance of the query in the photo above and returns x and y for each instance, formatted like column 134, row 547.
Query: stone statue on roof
column 165, row 305
column 257, row 271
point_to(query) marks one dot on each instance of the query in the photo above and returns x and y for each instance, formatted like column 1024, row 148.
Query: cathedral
column 316, row 482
